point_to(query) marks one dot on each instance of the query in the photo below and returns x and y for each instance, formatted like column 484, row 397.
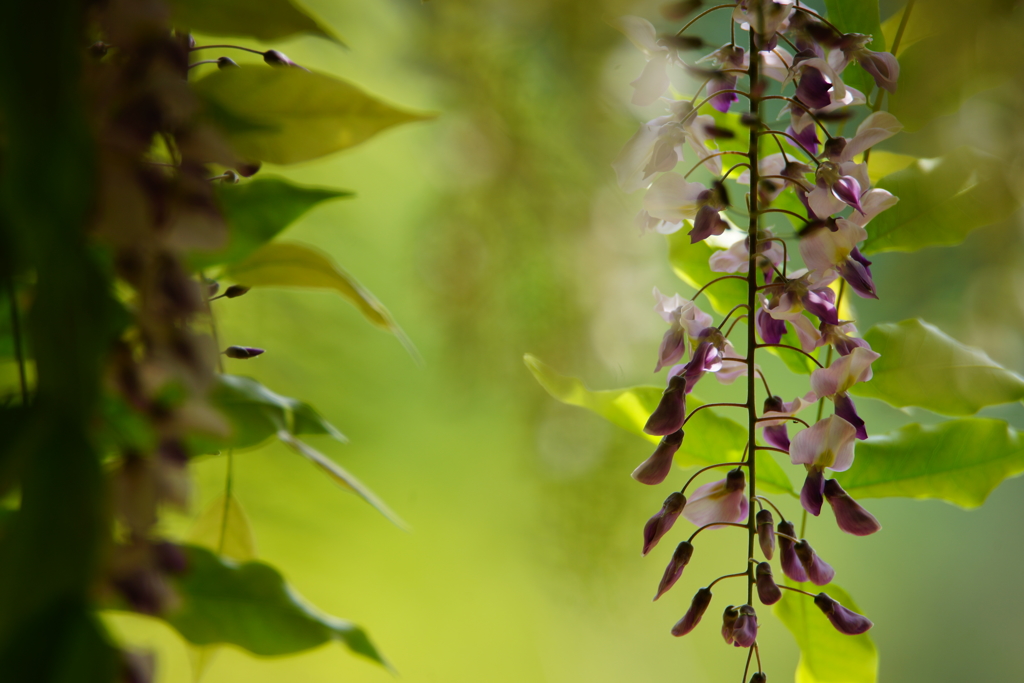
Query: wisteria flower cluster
column 792, row 45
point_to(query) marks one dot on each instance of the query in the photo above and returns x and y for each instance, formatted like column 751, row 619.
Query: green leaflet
column 826, row 655
column 959, row 461
column 690, row 263
column 287, row 115
column 251, row 606
column 239, row 541
column 858, row 16
column 286, row 264
column 257, row 211
column 941, row 201
column 922, row 366
column 710, row 438
column 266, row 20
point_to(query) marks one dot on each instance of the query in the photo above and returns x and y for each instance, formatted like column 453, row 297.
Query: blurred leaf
column 229, row 521
column 826, row 655
column 341, row 477
column 120, row 427
column 882, row 164
column 710, row 438
column 256, row 211
column 941, row 202
column 922, row 366
column 257, row 413
column 250, row 605
column 307, row 115
column 285, row 264
column 959, row 461
column 690, row 263
column 858, row 16
column 266, row 20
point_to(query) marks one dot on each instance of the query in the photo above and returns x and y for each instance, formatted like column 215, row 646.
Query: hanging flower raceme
column 719, row 501
column 834, row 382
column 826, row 445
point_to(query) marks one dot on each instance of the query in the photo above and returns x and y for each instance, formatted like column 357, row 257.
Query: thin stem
column 712, row 405
column 727, row 576
column 709, row 467
column 204, row 61
column 770, row 448
column 803, row 106
column 711, row 156
column 798, row 143
column 16, row 332
column 746, row 668
column 711, row 97
column 766, row 389
column 734, row 323
column 786, row 211
column 797, row 590
column 733, row 310
column 717, row 279
column 757, row 652
column 821, row 18
column 708, row 526
column 788, row 537
column 794, row 418
column 229, row 483
column 788, row 42
column 803, row 524
column 777, row 511
column 229, row 47
column 705, row 12
column 726, row 174
column 785, row 247
column 791, row 348
column 711, row 78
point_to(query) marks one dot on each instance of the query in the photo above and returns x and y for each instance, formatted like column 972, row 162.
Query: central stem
column 752, row 230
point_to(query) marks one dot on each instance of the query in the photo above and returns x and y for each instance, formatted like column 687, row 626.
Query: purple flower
column 839, row 337
column 680, row 558
column 659, row 525
column 846, row 409
column 726, row 58
column 768, row 328
column 719, row 501
column 818, row 571
column 813, row 88
column 742, row 628
column 806, row 136
column 668, row 417
column 766, row 533
column 824, row 250
column 850, row 516
column 827, row 444
column 845, row 621
column 729, row 617
column 767, row 591
column 791, row 566
column 655, row 469
column 708, row 221
column 811, row 493
column 686, row 320
column 243, row 352
column 698, row 606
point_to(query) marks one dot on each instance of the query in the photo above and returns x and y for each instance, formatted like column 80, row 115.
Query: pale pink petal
column 735, row 259
column 828, row 443
column 673, row 198
column 874, row 202
column 879, row 126
column 652, row 82
column 824, row 203
column 640, row 32
column 714, row 503
column 633, row 159
column 844, row 372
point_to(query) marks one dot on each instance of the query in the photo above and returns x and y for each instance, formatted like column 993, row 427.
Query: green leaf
column 941, row 201
column 225, row 529
column 710, row 438
column 882, row 164
column 286, row 264
column 267, row 20
column 858, row 16
column 826, row 655
column 251, row 606
column 303, row 115
column 256, row 413
column 690, row 263
column 922, row 366
column 257, row 211
column 959, row 461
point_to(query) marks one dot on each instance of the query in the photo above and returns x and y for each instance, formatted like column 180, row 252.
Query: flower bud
column 744, row 629
column 235, row 291
column 680, row 558
column 767, row 590
column 229, row 177
column 243, row 352
column 277, row 58
column 226, row 63
column 656, row 468
column 759, row 677
column 850, row 516
column 658, row 525
column 249, row 170
column 729, row 617
column 766, row 533
column 698, row 606
column 791, row 566
column 845, row 621
column 810, row 494
column 668, row 417
column 818, row 571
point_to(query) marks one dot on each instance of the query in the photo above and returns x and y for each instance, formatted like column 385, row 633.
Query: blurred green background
column 495, row 230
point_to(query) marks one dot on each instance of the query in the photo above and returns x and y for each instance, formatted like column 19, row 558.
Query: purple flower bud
column 249, row 170
column 834, row 148
column 857, row 274
column 668, row 417
column 673, row 346
column 808, row 137
column 659, row 525
column 729, row 617
column 850, row 516
column 707, row 223
column 759, row 677
column 698, row 606
column 680, row 558
column 848, row 411
column 235, row 291
column 722, row 100
column 766, row 533
column 227, row 63
column 846, row 622
column 276, row 58
column 813, row 89
column 810, row 494
column 818, row 571
column 744, row 630
column 770, row 329
column 767, row 591
column 243, row 352
column 847, row 190
column 882, row 66
column 654, row 470
column 777, row 436
column 821, row 303
column 791, row 566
